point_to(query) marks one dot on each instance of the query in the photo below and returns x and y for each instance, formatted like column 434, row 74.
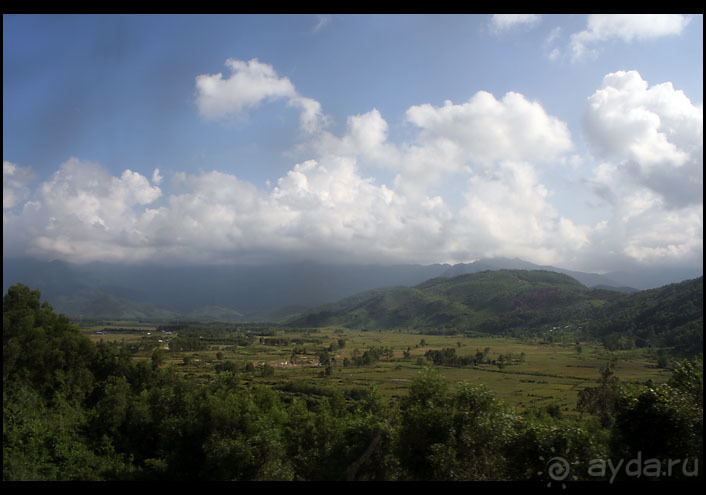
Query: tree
column 532, row 452
column 672, row 413
column 603, row 399
column 47, row 443
column 324, row 358
column 452, row 434
column 228, row 366
column 112, row 408
column 47, row 379
column 243, row 437
column 43, row 348
column 157, row 358
column 267, row 370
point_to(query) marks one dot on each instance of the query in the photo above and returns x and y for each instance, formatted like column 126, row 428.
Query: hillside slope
column 670, row 316
column 489, row 301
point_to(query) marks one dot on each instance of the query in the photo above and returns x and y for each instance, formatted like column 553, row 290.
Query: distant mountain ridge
column 236, row 293
column 587, row 279
column 232, row 293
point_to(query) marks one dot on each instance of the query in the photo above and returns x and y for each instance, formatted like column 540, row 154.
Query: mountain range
column 516, row 301
column 254, row 293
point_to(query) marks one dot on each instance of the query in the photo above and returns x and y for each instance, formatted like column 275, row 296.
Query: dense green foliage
column 73, row 410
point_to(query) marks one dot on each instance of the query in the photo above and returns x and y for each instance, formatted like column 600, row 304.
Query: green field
column 535, row 373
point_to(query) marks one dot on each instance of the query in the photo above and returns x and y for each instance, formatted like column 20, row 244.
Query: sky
column 566, row 140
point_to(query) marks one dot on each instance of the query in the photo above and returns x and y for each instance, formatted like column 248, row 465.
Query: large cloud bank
column 649, row 140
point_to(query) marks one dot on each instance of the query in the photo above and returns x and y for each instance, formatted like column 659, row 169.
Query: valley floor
column 523, row 373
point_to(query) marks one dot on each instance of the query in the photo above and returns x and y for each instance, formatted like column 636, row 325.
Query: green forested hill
column 669, row 316
column 490, row 301
column 521, row 301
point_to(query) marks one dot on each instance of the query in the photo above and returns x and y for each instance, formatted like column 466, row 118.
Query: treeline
column 369, row 356
column 73, row 410
column 191, row 337
column 448, row 357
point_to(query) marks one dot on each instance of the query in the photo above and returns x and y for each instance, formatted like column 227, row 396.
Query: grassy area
column 116, row 331
column 533, row 373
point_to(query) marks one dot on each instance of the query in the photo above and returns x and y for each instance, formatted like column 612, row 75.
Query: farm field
column 533, row 373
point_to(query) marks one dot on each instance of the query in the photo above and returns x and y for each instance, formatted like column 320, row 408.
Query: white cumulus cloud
column 15, row 183
column 507, row 213
column 503, row 22
column 248, row 85
column 627, row 27
column 650, row 141
column 653, row 133
column 83, row 213
column 485, row 130
column 365, row 138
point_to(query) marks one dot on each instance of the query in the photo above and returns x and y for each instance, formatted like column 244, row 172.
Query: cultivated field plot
column 117, row 331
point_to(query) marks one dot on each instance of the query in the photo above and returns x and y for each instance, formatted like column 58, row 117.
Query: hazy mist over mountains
column 253, row 293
